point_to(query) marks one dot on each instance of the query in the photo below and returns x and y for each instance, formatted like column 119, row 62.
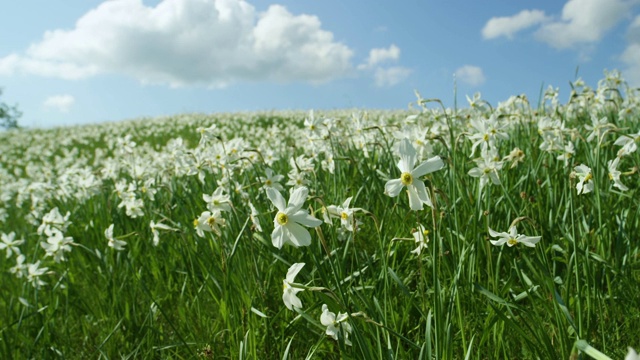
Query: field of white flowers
column 484, row 232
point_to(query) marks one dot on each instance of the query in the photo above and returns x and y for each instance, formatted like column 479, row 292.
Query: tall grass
column 220, row 296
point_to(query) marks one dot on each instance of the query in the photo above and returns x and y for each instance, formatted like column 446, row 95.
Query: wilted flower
column 336, row 325
column 287, row 221
column 289, row 292
column 512, row 238
column 409, row 176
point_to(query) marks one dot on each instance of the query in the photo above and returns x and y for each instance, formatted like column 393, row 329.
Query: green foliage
column 9, row 115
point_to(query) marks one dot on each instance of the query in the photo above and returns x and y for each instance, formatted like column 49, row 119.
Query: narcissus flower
column 513, row 238
column 336, row 324
column 114, row 243
column 288, row 220
column 409, row 176
column 585, row 183
column 289, row 292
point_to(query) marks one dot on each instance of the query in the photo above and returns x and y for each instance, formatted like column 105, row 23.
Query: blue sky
column 86, row 61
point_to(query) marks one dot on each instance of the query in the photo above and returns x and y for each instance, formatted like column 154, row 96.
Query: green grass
column 220, row 296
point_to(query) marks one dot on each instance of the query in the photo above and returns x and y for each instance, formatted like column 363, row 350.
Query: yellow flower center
column 196, row 222
column 486, row 137
column 406, row 178
column 268, row 182
column 211, row 221
column 425, row 233
column 610, row 176
column 282, row 218
column 588, row 177
column 512, row 241
column 344, row 215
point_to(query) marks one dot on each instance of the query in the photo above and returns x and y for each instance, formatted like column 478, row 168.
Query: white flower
column 628, row 143
column 10, row 245
column 614, row 174
column 632, row 355
column 209, row 221
column 487, row 168
column 287, row 221
column 57, row 244
column 254, row 218
column 418, row 194
column 156, row 234
column 335, row 325
column 344, row 213
column 422, row 239
column 114, row 243
column 289, row 292
column 217, row 200
column 34, row 271
column 271, row 180
column 512, row 238
column 585, row 183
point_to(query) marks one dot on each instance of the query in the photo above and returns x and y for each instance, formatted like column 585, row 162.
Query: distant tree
column 9, row 115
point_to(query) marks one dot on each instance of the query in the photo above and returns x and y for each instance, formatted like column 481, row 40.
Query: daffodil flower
column 289, row 292
column 336, row 324
column 409, row 176
column 344, row 213
column 288, row 220
column 513, row 238
column 585, row 183
column 114, row 243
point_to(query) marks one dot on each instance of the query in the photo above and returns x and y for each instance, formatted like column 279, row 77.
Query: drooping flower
column 287, row 228
column 156, row 234
column 614, row 174
column 336, row 324
column 289, row 293
column 513, row 238
column 409, row 176
column 585, row 179
column 421, row 236
column 114, row 243
column 344, row 213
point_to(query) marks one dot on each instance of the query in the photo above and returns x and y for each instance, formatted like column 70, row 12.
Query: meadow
column 483, row 231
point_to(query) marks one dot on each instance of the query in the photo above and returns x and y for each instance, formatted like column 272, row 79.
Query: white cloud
column 186, row 42
column 470, row 75
column 381, row 55
column 584, row 22
column 61, row 103
column 509, row 25
column 390, row 76
column 631, row 55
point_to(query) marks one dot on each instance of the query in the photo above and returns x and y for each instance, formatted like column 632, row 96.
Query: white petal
column 414, row 200
column 429, row 166
column 298, row 198
column 302, row 217
column 299, row 235
column 423, row 194
column 278, row 237
column 293, row 271
column 407, row 156
column 276, row 198
column 393, row 187
column 529, row 241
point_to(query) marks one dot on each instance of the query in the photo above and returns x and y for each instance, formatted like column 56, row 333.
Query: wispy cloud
column 508, row 26
column 470, row 75
column 61, row 103
column 385, row 75
column 182, row 42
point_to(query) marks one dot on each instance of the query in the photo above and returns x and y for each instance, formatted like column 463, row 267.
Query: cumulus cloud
column 381, row 55
column 470, row 75
column 631, row 55
column 61, row 103
column 584, row 22
column 385, row 75
column 187, row 42
column 509, row 25
column 390, row 76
